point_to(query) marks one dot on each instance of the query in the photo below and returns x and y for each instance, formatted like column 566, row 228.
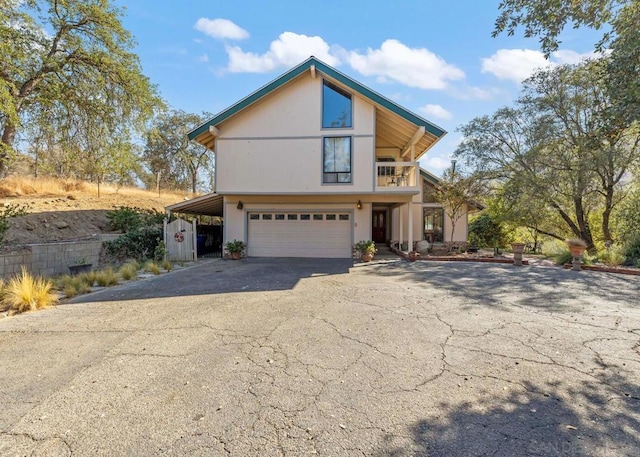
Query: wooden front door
column 379, row 226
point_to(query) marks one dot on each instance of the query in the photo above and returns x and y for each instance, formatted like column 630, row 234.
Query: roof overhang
column 206, row 205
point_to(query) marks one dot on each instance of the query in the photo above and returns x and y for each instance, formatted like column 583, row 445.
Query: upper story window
column 336, row 107
column 336, row 155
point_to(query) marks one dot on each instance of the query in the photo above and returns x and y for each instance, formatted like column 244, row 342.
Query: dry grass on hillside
column 24, row 186
column 64, row 210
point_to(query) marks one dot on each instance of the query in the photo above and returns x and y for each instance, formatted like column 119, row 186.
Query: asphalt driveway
column 315, row 357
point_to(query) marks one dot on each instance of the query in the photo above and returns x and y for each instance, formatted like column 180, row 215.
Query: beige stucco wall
column 276, row 145
column 235, row 226
column 460, row 233
column 461, row 225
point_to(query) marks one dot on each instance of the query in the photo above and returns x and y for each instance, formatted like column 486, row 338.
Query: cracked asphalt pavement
column 291, row 357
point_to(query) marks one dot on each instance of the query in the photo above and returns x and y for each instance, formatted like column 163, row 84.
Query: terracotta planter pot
column 577, row 251
column 367, row 257
column 235, row 255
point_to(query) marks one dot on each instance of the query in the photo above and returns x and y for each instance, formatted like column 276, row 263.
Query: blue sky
column 437, row 59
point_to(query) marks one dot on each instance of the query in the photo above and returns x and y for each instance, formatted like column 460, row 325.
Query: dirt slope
column 75, row 215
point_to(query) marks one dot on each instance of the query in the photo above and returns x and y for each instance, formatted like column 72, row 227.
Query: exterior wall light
column 359, row 204
column 240, row 204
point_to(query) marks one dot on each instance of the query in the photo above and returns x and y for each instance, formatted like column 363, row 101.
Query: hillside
column 69, row 210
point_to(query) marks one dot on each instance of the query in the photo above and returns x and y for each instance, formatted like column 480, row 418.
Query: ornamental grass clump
column 151, row 266
column 128, row 271
column 167, row 265
column 106, row 277
column 25, row 292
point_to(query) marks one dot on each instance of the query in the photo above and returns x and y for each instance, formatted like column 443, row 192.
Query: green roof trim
column 331, row 72
column 429, row 177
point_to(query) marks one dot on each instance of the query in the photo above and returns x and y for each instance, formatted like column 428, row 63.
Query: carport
column 184, row 239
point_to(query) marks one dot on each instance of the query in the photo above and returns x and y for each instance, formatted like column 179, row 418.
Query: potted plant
column 576, row 247
column 235, row 248
column 367, row 249
column 82, row 265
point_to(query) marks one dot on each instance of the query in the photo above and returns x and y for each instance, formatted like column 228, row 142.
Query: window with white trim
column 336, row 152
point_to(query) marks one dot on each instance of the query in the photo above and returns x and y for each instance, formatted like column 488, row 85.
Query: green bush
column 138, row 244
column 486, row 232
column 565, row 256
column 632, row 251
column 128, row 218
column 7, row 213
column 612, row 257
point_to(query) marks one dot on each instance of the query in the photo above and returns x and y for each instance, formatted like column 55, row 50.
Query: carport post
column 401, row 228
column 410, row 228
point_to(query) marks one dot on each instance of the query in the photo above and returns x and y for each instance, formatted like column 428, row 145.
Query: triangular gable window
column 336, row 107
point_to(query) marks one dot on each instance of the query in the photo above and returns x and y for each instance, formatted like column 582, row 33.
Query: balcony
column 396, row 177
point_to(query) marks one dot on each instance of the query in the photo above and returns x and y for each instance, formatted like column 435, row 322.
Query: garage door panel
column 300, row 237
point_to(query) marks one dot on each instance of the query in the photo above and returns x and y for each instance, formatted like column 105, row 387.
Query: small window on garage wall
column 317, row 217
column 344, row 217
column 279, row 217
column 305, row 217
column 292, row 217
column 331, row 217
column 266, row 217
column 254, row 217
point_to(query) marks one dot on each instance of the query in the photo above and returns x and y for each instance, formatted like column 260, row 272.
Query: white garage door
column 300, row 234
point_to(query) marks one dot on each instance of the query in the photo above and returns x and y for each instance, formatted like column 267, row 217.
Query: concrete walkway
column 321, row 357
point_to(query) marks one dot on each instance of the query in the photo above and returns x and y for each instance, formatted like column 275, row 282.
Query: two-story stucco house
column 313, row 162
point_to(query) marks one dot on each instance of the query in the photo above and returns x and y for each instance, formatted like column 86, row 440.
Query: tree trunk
column 194, row 182
column 6, row 144
column 583, row 225
column 606, row 216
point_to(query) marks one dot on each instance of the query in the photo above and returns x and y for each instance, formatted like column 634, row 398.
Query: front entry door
column 379, row 226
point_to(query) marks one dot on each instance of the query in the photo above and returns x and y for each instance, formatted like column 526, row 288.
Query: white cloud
column 518, row 64
column 436, row 111
column 220, row 28
column 413, row 67
column 436, row 163
column 288, row 50
column 203, row 58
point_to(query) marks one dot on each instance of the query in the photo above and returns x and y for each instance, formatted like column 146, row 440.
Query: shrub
column 632, row 251
column 484, row 231
column 106, row 278
column 6, row 214
column 128, row 271
column 167, row 265
column 612, row 257
column 565, row 256
column 26, row 293
column 127, row 218
column 139, row 244
column 160, row 252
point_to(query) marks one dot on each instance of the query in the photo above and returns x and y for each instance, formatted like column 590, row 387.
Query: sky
column 437, row 59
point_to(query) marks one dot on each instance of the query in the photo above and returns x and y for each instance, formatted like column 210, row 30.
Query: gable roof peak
column 334, row 74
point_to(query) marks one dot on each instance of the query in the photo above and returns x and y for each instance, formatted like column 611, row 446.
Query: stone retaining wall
column 52, row 259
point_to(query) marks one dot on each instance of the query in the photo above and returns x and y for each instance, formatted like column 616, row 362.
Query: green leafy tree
column 558, row 146
column 171, row 158
column 73, row 59
column 455, row 191
column 619, row 20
